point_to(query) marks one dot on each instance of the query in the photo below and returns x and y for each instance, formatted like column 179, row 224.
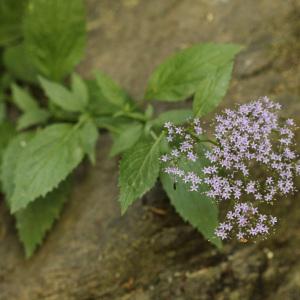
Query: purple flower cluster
column 183, row 141
column 246, row 137
column 253, row 159
column 245, row 222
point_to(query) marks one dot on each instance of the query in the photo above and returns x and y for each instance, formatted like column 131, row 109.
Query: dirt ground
column 93, row 252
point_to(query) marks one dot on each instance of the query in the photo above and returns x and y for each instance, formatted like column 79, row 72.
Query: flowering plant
column 247, row 139
column 58, row 118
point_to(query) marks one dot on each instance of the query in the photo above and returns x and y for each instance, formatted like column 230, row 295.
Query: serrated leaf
column 33, row 114
column 139, row 169
column 10, row 158
column 126, row 139
column 7, row 132
column 61, row 96
column 98, row 105
column 33, row 117
column 176, row 116
column 200, row 211
column 47, row 160
column 55, row 36
column 179, row 76
column 11, row 13
column 79, row 89
column 38, row 217
column 16, row 61
column 89, row 136
column 197, row 209
column 23, row 99
column 112, row 92
column 211, row 90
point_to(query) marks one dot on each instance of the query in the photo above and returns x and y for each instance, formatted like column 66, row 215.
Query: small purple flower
column 240, row 235
column 290, row 122
column 194, row 188
column 250, row 189
column 191, row 156
column 186, row 146
column 273, row 220
column 253, row 231
column 178, row 130
column 165, row 158
column 168, row 125
column 269, row 180
column 198, row 130
column 170, row 138
column 175, row 153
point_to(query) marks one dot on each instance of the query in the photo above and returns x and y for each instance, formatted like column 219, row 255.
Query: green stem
column 204, row 141
column 208, row 141
column 136, row 116
column 83, row 118
column 157, row 138
column 153, row 134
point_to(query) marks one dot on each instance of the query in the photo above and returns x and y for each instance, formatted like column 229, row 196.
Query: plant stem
column 134, row 115
column 205, row 140
column 208, row 141
column 153, row 134
column 138, row 117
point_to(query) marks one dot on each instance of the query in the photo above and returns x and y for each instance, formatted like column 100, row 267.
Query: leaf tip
column 28, row 252
column 15, row 205
column 239, row 48
column 123, row 209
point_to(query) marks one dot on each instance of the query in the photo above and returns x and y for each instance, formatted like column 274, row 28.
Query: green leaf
column 126, row 139
column 199, row 210
column 11, row 14
column 139, row 169
column 149, row 111
column 176, row 116
column 38, row 217
column 79, row 89
column 211, row 90
column 112, row 92
column 62, row 97
column 55, row 36
column 179, row 76
column 47, row 160
column 33, row 117
column 23, row 99
column 89, row 136
column 98, row 105
column 18, row 64
column 7, row 132
column 33, row 114
column 10, row 158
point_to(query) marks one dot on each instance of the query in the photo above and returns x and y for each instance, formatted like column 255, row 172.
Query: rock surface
column 93, row 253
